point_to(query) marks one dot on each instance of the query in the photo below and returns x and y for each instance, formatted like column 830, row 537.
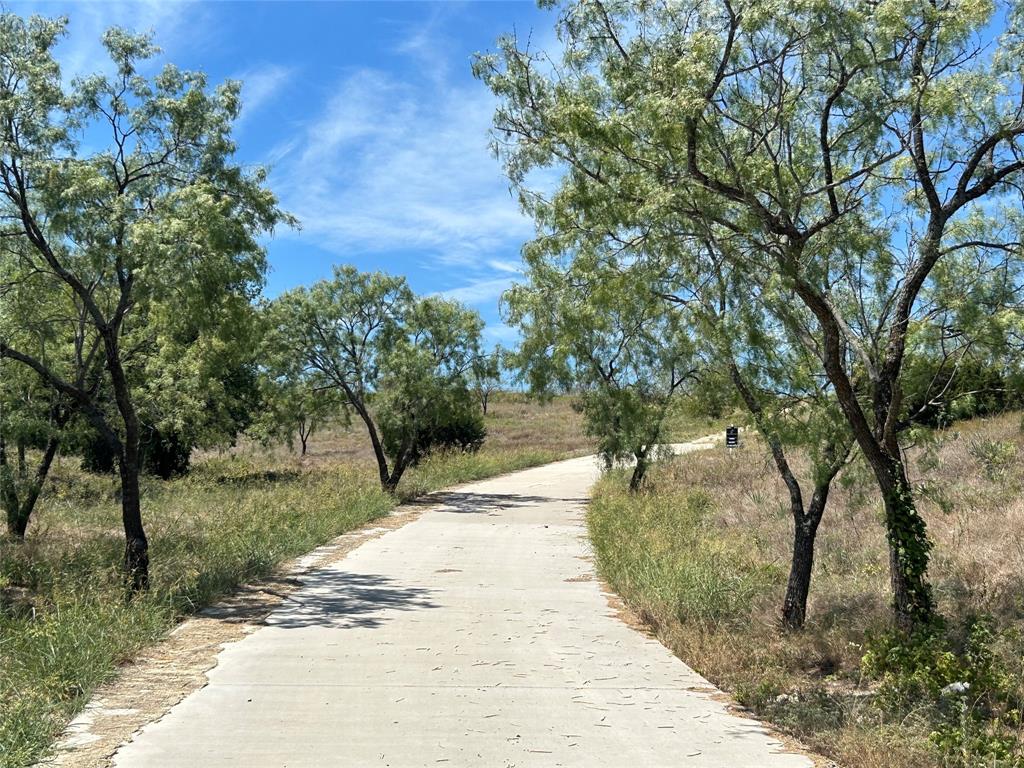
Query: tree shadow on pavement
column 342, row 600
column 492, row 503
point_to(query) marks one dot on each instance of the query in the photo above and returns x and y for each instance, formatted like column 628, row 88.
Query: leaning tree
column 751, row 332
column 845, row 149
column 121, row 192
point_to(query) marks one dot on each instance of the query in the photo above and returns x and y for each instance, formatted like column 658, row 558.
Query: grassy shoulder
column 64, row 623
column 703, row 553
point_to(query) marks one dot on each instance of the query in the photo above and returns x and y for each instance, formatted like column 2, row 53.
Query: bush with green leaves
column 941, row 392
column 454, row 422
column 962, row 681
column 401, row 363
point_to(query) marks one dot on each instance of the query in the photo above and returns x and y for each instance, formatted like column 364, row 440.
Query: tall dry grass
column 703, row 554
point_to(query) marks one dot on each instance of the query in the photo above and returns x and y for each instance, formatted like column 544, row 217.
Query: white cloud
column 261, row 85
column 479, row 291
column 392, row 166
column 503, row 265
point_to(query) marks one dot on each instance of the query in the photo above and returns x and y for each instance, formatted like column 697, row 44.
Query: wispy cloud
column 427, row 43
column 390, row 166
column 502, row 265
column 261, row 85
column 478, row 291
column 81, row 52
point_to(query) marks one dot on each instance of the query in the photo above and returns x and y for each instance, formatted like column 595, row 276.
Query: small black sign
column 732, row 437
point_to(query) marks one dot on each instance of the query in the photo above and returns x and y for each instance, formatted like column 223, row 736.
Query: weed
column 995, row 456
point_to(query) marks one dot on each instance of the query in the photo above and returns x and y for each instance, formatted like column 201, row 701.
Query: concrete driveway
column 475, row 636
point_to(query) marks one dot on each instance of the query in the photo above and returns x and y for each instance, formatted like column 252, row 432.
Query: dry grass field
column 703, row 555
column 515, row 423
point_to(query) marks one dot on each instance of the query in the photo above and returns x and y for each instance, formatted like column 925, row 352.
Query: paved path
column 474, row 636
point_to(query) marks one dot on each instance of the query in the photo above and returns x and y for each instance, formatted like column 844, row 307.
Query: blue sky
column 370, row 120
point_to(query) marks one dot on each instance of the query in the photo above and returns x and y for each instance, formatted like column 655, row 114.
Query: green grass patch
column 661, row 552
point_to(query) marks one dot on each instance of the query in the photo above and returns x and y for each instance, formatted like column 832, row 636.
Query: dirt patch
column 146, row 689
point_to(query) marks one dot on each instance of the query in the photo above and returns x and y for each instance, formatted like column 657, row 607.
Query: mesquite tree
column 778, row 382
column 754, row 341
column 485, row 375
column 606, row 333
column 156, row 226
column 844, row 149
column 400, row 362
column 296, row 406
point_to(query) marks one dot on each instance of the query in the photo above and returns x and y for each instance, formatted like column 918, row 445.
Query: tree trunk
column 22, row 461
column 805, row 531
column 136, row 546
column 805, row 522
column 19, row 509
column 17, row 523
column 401, row 464
column 386, row 482
column 794, row 606
column 639, row 471
column 909, row 549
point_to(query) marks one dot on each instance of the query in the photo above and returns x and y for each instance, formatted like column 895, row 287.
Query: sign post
column 732, row 437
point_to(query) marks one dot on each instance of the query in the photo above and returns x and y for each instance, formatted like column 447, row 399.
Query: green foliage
column 995, row 456
column 424, row 385
column 165, row 454
column 295, row 406
column 965, row 685
column 626, row 422
column 941, row 394
column 486, row 374
column 401, row 363
column 606, row 333
column 133, row 248
column 452, row 423
column 766, row 157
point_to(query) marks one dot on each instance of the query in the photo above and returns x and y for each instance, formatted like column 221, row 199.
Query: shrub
column 995, row 456
column 165, row 454
column 963, row 686
column 453, row 422
column 937, row 396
